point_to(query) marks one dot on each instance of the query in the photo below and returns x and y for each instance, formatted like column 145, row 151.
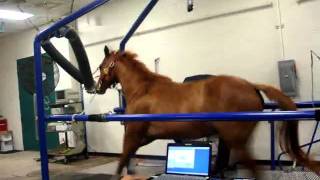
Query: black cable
column 72, row 6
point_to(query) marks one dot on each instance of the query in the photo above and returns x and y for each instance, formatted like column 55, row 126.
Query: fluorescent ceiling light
column 14, row 15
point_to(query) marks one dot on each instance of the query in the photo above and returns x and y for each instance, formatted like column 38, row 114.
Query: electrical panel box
column 288, row 77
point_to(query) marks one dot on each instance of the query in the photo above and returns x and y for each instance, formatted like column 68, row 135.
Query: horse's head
column 107, row 74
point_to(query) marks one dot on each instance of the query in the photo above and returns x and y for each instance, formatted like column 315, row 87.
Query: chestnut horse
column 149, row 93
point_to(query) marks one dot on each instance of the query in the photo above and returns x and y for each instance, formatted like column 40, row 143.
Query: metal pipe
column 219, row 116
column 137, row 23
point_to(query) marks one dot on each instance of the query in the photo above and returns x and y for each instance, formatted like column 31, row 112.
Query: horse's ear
column 106, row 51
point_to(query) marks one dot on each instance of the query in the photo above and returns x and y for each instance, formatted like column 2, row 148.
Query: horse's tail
column 289, row 141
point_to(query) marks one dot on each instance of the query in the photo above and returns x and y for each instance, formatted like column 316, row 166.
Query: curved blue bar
column 223, row 116
column 47, row 33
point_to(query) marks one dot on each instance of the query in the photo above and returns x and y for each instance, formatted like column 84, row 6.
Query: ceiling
column 44, row 11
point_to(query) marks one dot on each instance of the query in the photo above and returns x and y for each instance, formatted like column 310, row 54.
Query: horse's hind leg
column 245, row 158
column 239, row 147
column 222, row 159
column 237, row 141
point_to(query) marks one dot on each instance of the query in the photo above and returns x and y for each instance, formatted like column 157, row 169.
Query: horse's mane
column 131, row 59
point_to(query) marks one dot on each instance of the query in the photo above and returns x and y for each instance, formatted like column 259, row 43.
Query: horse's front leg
column 135, row 136
column 131, row 144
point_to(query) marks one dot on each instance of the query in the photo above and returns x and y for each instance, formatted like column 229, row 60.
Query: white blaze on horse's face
column 107, row 75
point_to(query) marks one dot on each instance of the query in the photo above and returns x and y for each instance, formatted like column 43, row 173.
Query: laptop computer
column 187, row 161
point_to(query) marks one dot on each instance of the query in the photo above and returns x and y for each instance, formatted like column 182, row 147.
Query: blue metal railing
column 217, row 116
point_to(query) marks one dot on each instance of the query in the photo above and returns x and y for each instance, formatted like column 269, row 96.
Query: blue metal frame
column 45, row 34
column 231, row 116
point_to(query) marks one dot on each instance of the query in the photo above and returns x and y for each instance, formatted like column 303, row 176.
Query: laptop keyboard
column 179, row 177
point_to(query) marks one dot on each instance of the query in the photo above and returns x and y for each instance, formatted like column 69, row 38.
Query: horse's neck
column 134, row 80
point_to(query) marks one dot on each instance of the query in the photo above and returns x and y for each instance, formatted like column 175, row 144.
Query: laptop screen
column 188, row 160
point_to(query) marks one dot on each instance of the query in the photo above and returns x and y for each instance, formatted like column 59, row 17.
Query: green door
column 25, row 71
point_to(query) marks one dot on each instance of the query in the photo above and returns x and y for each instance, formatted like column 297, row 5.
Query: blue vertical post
column 272, row 146
column 137, row 23
column 40, row 111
